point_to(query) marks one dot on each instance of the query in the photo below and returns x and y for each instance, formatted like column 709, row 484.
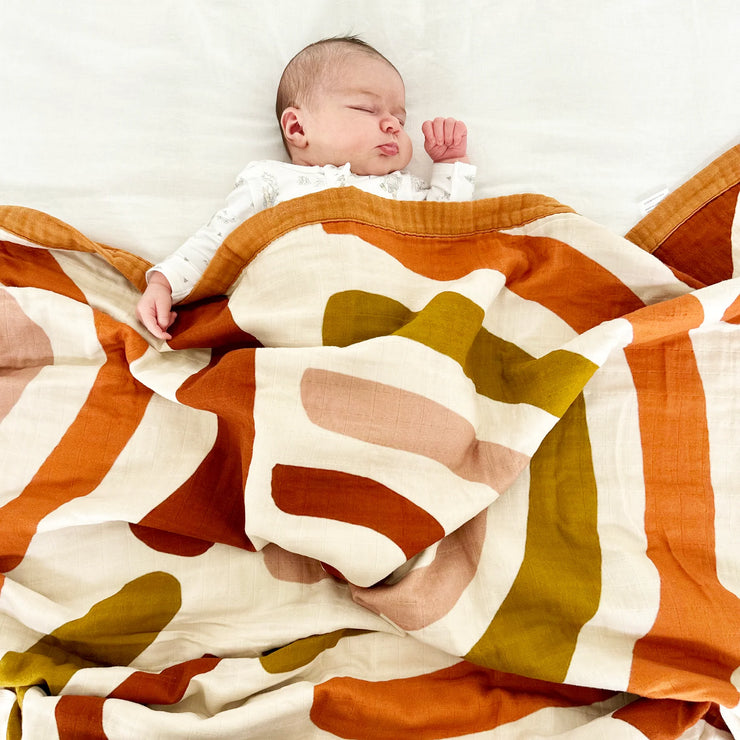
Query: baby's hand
column 154, row 308
column 445, row 140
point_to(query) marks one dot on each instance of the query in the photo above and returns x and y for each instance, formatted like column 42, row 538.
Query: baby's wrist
column 453, row 160
column 158, row 278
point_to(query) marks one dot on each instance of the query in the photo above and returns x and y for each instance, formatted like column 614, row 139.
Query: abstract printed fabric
column 420, row 470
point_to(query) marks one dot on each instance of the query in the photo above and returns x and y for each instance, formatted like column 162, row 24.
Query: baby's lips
column 390, row 149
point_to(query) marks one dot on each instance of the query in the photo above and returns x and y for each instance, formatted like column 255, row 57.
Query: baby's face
column 358, row 116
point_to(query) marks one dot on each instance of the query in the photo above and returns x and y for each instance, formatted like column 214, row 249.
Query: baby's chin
column 380, row 166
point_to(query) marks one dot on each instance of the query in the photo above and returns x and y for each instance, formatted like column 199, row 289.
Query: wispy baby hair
column 312, row 65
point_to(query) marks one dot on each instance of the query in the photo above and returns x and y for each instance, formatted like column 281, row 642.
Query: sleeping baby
column 340, row 104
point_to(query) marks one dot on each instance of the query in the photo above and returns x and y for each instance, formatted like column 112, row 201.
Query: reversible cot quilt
column 424, row 470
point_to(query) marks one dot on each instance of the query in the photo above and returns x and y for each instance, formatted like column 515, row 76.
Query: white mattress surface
column 131, row 120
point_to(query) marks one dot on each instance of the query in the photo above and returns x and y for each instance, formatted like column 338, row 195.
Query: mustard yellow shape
column 452, row 324
column 302, row 652
column 114, row 632
column 558, row 587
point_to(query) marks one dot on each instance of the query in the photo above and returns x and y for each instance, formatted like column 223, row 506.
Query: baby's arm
column 446, row 140
column 173, row 278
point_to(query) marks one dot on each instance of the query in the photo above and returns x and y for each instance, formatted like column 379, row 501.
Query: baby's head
column 339, row 100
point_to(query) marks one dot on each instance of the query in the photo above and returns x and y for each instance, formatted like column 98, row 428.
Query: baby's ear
column 293, row 127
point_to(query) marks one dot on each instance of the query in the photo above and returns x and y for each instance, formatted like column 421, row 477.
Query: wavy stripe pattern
column 472, row 457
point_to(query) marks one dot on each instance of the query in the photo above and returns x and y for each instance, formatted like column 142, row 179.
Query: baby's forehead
column 358, row 69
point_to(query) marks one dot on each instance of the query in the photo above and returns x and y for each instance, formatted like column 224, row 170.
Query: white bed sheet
column 130, row 120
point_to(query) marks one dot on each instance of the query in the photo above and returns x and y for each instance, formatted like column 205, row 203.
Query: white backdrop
column 131, row 120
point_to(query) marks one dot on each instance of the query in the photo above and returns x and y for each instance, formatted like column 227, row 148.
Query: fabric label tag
column 649, row 203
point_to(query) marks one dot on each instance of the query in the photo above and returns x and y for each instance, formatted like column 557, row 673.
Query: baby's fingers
column 440, row 130
column 152, row 324
column 434, row 131
column 445, row 131
column 163, row 319
column 454, row 131
column 449, row 130
column 427, row 128
column 149, row 320
column 459, row 131
column 445, row 139
column 155, row 315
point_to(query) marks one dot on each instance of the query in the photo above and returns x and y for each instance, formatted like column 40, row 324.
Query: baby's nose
column 390, row 124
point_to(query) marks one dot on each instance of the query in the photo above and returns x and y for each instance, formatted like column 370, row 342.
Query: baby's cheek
column 406, row 146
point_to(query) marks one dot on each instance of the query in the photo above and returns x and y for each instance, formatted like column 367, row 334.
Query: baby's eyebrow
column 360, row 91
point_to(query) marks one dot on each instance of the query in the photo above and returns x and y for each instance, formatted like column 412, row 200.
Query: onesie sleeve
column 452, row 181
column 186, row 266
